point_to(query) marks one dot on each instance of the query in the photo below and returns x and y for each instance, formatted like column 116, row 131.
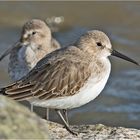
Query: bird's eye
column 99, row 44
column 33, row 33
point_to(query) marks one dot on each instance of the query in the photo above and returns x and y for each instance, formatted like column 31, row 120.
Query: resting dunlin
column 69, row 77
column 35, row 42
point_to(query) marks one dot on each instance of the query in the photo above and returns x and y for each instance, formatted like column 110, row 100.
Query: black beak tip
column 117, row 54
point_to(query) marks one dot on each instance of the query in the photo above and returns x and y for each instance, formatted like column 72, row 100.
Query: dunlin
column 35, row 42
column 69, row 77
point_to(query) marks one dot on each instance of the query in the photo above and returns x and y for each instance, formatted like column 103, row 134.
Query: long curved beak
column 117, row 54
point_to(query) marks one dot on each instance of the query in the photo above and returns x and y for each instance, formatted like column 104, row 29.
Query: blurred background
column 119, row 103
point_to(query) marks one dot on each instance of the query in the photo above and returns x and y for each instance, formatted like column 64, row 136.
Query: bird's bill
column 117, row 54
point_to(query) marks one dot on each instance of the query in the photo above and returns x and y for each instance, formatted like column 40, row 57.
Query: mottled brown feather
column 56, row 78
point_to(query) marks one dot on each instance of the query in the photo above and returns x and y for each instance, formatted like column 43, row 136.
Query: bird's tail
column 4, row 89
column 17, row 92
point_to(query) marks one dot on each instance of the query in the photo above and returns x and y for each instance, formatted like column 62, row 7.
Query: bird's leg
column 47, row 113
column 65, row 123
column 32, row 107
column 65, row 112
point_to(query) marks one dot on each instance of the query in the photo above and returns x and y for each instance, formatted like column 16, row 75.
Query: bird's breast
column 27, row 57
column 21, row 62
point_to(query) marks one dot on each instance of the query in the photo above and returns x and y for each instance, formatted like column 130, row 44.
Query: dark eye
column 99, row 44
column 33, row 33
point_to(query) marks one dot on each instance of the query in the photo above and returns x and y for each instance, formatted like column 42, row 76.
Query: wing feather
column 57, row 78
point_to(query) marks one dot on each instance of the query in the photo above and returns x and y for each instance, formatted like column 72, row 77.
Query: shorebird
column 68, row 77
column 35, row 42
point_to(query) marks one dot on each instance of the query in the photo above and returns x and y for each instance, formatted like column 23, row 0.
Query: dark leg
column 65, row 112
column 65, row 123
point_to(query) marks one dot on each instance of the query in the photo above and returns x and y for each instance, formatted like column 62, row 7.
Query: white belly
column 86, row 94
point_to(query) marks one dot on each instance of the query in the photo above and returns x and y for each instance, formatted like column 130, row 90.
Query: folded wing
column 63, row 76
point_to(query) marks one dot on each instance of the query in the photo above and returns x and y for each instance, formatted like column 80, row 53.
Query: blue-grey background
column 119, row 103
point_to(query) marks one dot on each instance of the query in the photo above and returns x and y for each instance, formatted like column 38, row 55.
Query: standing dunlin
column 35, row 42
column 69, row 77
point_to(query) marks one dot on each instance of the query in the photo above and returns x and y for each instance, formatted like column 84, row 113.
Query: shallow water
column 119, row 103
